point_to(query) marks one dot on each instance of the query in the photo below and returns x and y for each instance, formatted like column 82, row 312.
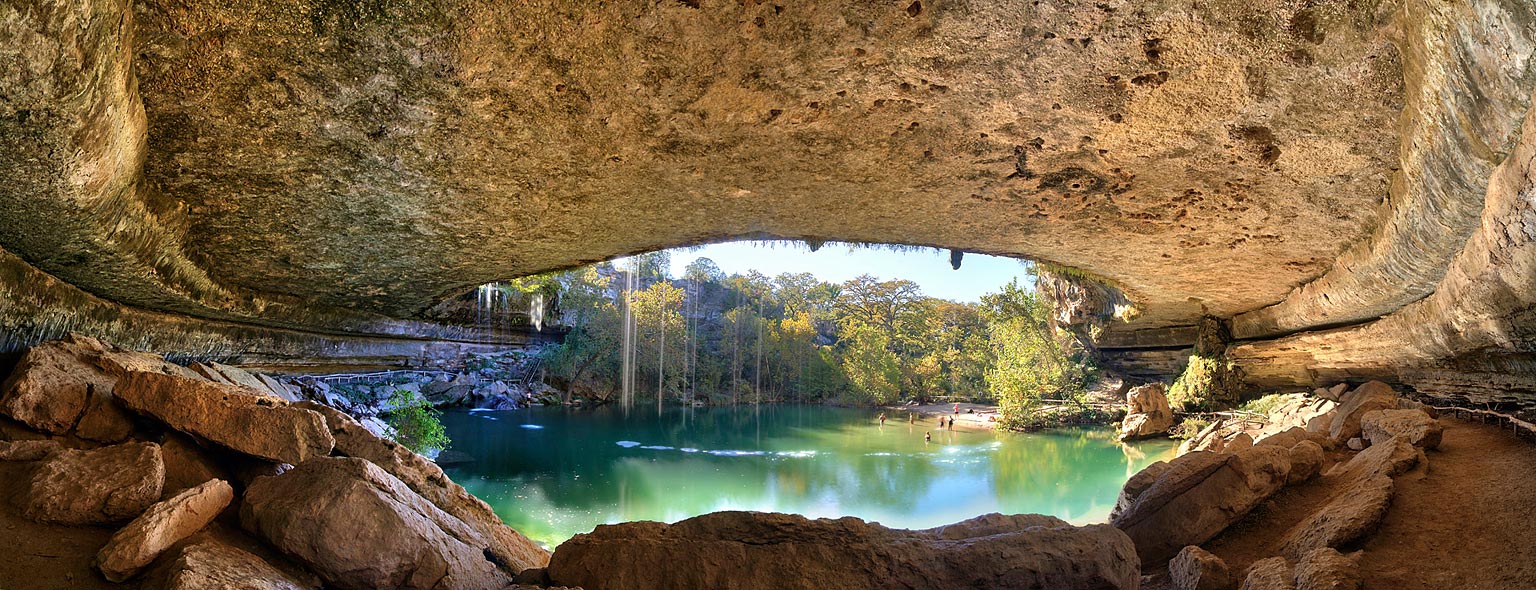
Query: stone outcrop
column 395, row 539
column 101, row 486
column 228, row 415
column 1200, row 495
column 511, row 549
column 1414, row 426
column 211, row 565
column 776, row 551
column 166, row 523
column 1197, row 569
column 1347, row 518
column 1327, row 569
column 1148, row 413
column 1370, row 397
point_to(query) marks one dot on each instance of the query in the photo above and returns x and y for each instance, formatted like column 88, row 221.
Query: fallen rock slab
column 1327, row 569
column 359, row 527
column 1346, row 519
column 513, row 550
column 100, row 486
column 1270, row 574
column 1390, row 458
column 51, row 385
column 1415, row 426
column 763, row 551
column 1200, row 495
column 136, row 545
column 260, row 426
column 1370, row 397
column 188, row 464
column 211, row 565
column 1197, row 569
column 1136, row 485
column 104, row 420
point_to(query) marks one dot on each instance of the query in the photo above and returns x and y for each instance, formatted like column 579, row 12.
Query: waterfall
column 627, row 378
column 536, row 311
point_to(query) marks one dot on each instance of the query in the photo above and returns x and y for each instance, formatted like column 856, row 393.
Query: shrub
column 1189, row 428
column 416, row 423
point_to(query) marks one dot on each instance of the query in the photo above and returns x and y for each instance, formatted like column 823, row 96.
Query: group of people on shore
column 944, row 422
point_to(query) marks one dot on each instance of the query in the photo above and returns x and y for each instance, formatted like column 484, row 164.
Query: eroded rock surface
column 101, row 486
column 1200, row 495
column 211, row 565
column 751, row 551
column 1327, row 569
column 1370, row 397
column 51, row 387
column 1269, row 574
column 1415, row 426
column 1148, row 412
column 1197, row 569
column 1347, row 518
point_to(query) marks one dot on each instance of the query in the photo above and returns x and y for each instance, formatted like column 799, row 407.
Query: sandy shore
column 928, row 415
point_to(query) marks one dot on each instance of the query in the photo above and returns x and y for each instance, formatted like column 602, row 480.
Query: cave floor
column 1461, row 521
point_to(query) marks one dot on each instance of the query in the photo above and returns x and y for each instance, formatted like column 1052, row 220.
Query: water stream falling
column 627, row 379
column 536, row 311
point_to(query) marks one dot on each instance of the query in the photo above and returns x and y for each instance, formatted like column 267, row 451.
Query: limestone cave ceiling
column 339, row 163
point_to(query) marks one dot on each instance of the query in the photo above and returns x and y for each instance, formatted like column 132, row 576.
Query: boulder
column 1148, row 412
column 100, row 486
column 1284, row 438
column 1415, row 426
column 994, row 524
column 1270, row 574
column 1297, row 411
column 104, row 420
column 1200, row 495
column 210, row 373
column 360, row 527
column 243, row 378
column 51, row 385
column 227, row 415
column 119, row 363
column 514, row 551
column 1197, row 569
column 1327, row 569
column 28, row 450
column 1208, row 439
column 161, row 526
column 1307, row 459
column 1136, row 485
column 761, row 551
column 1346, row 519
column 1237, row 442
column 211, row 565
column 1355, row 444
column 1372, row 396
column 1390, row 458
column 279, row 389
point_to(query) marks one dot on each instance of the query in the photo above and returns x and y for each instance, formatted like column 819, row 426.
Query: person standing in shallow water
column 927, row 437
column 882, row 418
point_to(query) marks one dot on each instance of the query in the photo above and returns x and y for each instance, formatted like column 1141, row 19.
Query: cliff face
column 340, row 167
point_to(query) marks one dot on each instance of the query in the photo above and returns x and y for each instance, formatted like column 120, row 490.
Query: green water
column 552, row 472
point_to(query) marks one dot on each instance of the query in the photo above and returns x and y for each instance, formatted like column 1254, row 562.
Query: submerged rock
column 1200, row 495
column 100, row 486
column 1197, row 569
column 511, row 549
column 1415, row 426
column 161, row 526
column 1347, row 518
column 211, row 565
column 752, row 551
column 1149, row 413
column 361, row 528
column 255, row 425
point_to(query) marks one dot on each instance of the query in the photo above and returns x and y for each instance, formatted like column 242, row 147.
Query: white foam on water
column 628, row 444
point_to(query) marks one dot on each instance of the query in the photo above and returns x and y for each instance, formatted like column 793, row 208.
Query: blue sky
column 836, row 263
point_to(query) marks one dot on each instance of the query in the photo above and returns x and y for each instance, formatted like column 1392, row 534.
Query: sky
column 836, row 263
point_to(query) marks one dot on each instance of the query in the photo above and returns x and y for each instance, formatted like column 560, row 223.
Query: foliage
column 1264, row 405
column 416, row 423
column 1208, row 383
column 1189, row 427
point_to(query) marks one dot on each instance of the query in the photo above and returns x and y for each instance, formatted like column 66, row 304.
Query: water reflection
column 551, row 472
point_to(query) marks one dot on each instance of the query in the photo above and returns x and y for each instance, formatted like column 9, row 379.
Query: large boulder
column 510, row 548
column 1137, row 484
column 1307, row 460
column 1197, row 569
column 1270, row 574
column 1200, row 495
column 1148, row 412
column 161, row 526
column 1346, row 519
column 1327, row 569
column 51, row 386
column 1415, row 426
column 1390, row 458
column 762, row 551
column 100, row 486
column 104, row 420
column 228, row 415
column 1370, row 397
column 188, row 464
column 359, row 527
column 211, row 565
